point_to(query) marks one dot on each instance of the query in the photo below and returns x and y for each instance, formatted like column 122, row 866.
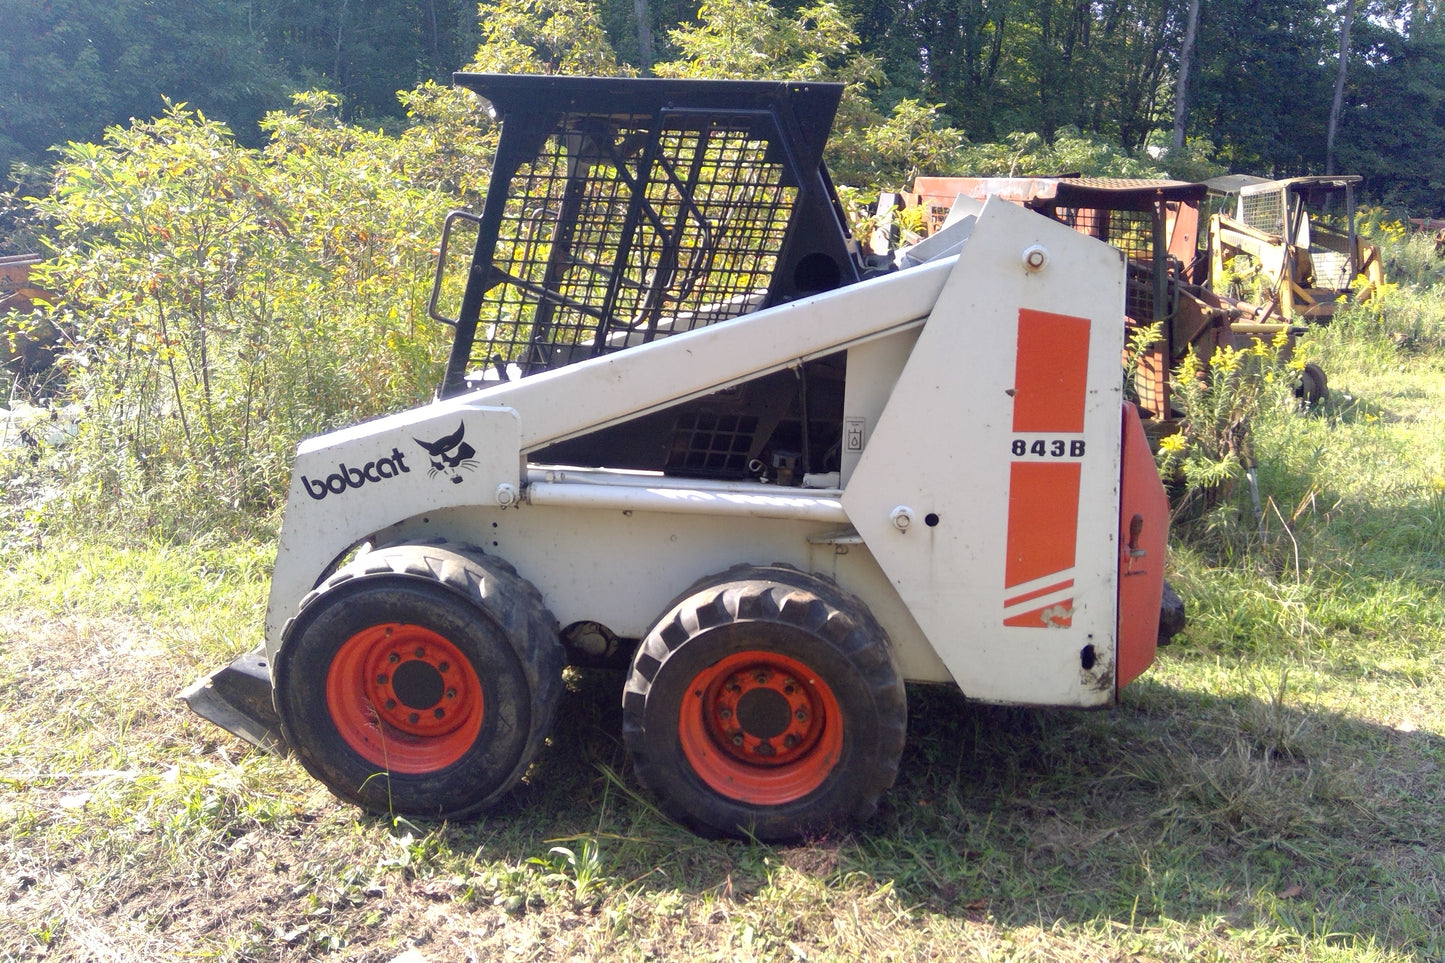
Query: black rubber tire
column 1314, row 387
column 781, row 610
column 492, row 617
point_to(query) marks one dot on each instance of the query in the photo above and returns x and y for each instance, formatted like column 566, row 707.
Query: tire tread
column 491, row 584
column 774, row 593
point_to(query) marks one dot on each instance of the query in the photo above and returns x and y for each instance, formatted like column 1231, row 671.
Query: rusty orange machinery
column 25, row 349
column 16, row 291
column 1156, row 223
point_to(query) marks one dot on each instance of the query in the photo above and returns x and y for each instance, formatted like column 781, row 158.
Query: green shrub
column 226, row 303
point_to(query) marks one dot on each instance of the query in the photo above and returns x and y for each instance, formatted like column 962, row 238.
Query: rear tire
column 419, row 680
column 765, row 703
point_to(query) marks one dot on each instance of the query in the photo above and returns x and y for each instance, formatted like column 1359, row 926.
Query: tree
column 366, row 50
column 1181, row 83
column 1392, row 128
column 1263, row 84
column 545, row 37
column 643, row 16
column 1337, row 103
column 226, row 302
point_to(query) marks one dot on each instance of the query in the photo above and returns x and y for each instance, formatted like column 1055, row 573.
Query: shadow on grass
column 1175, row 806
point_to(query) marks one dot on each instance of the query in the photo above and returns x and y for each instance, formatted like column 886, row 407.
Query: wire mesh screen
column 624, row 231
column 1131, row 232
column 1332, row 269
column 1263, row 211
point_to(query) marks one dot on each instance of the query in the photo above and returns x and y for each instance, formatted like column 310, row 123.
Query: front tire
column 766, row 703
column 419, row 680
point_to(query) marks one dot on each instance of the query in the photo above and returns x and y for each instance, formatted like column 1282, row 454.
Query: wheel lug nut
column 790, row 742
column 413, row 718
column 737, row 739
column 443, row 666
column 762, row 677
column 381, row 679
column 393, row 658
column 801, row 715
column 391, row 703
column 451, row 693
column 439, row 712
column 419, row 652
column 725, row 713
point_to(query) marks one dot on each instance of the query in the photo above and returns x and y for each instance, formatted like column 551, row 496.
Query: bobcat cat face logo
column 450, row 454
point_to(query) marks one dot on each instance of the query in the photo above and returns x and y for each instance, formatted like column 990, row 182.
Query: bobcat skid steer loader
column 686, row 428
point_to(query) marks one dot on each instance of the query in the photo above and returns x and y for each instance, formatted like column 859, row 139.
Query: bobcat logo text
column 346, row 476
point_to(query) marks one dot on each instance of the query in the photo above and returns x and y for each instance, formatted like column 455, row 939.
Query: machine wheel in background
column 419, row 680
column 766, row 702
column 1313, row 387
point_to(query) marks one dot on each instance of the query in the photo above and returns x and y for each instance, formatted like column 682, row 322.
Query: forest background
column 1266, row 88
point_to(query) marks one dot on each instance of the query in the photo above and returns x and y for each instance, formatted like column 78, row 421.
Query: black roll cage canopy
column 621, row 210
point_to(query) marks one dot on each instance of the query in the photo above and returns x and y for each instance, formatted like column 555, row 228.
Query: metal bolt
column 391, row 703
column 801, row 715
column 725, row 713
column 762, row 676
column 1035, row 257
column 901, row 517
column 444, row 666
column 438, row 712
column 451, row 693
column 765, row 749
column 393, row 658
column 419, row 652
column 737, row 738
column 790, row 741
column 413, row 718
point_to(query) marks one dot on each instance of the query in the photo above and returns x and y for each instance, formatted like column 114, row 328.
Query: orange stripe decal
column 1043, row 520
column 1048, row 617
column 1052, row 372
column 1051, row 380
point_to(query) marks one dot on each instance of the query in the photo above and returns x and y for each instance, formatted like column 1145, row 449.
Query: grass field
column 1273, row 789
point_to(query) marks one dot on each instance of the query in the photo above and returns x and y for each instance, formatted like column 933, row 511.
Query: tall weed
column 1223, row 397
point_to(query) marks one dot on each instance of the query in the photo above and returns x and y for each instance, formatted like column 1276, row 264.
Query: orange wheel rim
column 404, row 698
column 761, row 728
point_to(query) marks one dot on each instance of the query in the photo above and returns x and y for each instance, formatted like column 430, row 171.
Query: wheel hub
column 760, row 713
column 418, row 684
column 405, row 697
column 414, row 682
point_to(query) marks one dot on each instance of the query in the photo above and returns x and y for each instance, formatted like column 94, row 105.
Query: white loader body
column 688, row 428
column 977, row 514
